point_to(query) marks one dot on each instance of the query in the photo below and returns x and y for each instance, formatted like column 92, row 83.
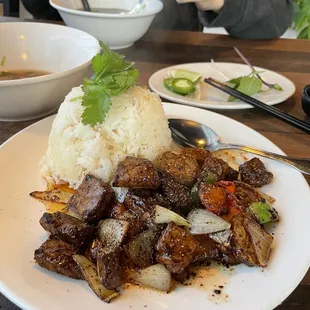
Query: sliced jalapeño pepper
column 183, row 86
column 168, row 83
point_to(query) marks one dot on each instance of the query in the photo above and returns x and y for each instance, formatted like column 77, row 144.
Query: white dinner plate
column 212, row 98
column 31, row 287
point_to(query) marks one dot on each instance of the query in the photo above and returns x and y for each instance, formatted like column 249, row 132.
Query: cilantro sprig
column 112, row 76
column 250, row 84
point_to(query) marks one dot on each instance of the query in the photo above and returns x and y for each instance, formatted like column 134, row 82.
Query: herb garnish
column 250, row 84
column 112, row 76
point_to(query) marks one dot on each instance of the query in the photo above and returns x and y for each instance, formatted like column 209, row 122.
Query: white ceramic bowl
column 64, row 52
column 118, row 31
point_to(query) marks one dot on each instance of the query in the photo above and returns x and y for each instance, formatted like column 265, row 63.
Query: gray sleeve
column 251, row 19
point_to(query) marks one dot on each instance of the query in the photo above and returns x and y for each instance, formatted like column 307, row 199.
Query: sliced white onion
column 120, row 193
column 203, row 221
column 261, row 241
column 163, row 216
column 89, row 272
column 113, row 232
column 156, row 277
column 222, row 237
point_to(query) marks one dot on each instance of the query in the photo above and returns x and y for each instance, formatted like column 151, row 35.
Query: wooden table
column 289, row 57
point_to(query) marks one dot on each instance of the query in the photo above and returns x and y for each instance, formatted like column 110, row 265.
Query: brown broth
column 106, row 10
column 21, row 74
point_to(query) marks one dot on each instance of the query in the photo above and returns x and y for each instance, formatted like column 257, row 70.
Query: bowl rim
column 52, row 76
column 107, row 15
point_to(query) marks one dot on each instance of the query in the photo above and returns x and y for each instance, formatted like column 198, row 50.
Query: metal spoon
column 86, row 5
column 188, row 133
column 136, row 8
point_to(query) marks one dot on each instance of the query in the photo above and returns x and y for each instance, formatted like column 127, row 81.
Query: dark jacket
column 41, row 9
column 248, row 19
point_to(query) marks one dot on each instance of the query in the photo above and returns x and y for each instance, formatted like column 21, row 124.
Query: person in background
column 247, row 19
column 41, row 9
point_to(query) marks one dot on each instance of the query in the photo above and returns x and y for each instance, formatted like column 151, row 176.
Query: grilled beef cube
column 254, row 172
column 227, row 256
column 56, row 255
column 110, row 266
column 214, row 198
column 219, row 168
column 175, row 248
column 92, row 200
column 138, row 211
column 206, row 249
column 137, row 173
column 250, row 242
column 177, row 194
column 183, row 168
column 121, row 212
column 142, row 209
column 150, row 197
column 246, row 195
column 209, row 250
column 199, row 154
column 67, row 228
column 93, row 250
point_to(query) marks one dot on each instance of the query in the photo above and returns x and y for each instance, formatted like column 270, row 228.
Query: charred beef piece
column 141, row 210
column 220, row 168
column 226, row 255
column 93, row 250
column 250, row 242
column 175, row 248
column 92, row 200
column 246, row 195
column 176, row 193
column 121, row 212
column 206, row 249
column 254, row 172
column 209, row 250
column 56, row 255
column 199, row 154
column 110, row 266
column 151, row 198
column 213, row 197
column 110, row 256
column 67, row 228
column 183, row 168
column 136, row 172
column 139, row 215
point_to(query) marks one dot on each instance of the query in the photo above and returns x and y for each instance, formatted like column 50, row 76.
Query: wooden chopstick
column 86, row 5
column 304, row 126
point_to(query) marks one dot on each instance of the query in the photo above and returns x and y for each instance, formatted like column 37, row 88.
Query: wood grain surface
column 159, row 49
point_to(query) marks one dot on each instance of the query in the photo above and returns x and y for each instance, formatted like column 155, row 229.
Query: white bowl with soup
column 39, row 64
column 106, row 21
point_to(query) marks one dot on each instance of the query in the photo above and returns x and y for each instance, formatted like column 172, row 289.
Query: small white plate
column 34, row 288
column 212, row 98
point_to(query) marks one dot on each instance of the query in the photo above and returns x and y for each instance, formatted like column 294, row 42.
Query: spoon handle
column 303, row 165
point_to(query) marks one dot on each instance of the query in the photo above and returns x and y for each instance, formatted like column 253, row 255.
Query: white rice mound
column 135, row 125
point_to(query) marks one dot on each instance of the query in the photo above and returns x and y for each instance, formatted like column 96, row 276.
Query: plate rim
column 212, row 104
